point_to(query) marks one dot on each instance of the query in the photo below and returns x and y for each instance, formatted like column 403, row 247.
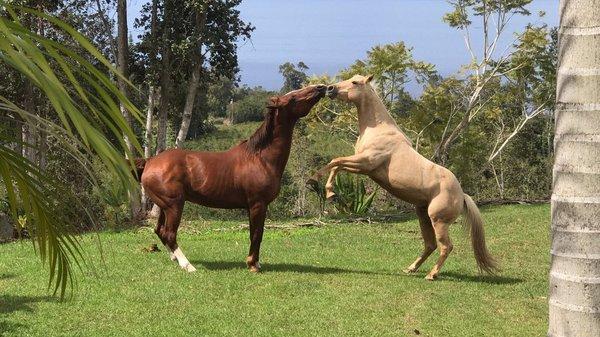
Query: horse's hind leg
column 443, row 240
column 160, row 225
column 169, row 234
column 428, row 239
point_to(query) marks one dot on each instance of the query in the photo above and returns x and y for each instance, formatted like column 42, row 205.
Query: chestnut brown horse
column 248, row 176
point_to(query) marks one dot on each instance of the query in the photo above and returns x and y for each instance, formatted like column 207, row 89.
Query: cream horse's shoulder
column 380, row 140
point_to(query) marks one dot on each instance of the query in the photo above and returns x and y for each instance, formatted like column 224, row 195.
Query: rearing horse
column 386, row 155
column 247, row 176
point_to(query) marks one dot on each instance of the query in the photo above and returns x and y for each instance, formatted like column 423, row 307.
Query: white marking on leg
column 171, row 255
column 183, row 261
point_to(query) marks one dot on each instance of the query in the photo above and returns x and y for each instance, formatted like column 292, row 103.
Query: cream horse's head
column 353, row 90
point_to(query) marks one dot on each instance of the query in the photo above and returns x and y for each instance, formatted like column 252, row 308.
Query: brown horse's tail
column 484, row 259
column 140, row 164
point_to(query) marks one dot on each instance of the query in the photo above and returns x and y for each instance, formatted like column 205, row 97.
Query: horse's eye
column 355, row 82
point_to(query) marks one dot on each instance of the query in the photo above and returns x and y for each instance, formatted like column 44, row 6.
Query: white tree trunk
column 190, row 99
column 574, row 297
column 152, row 95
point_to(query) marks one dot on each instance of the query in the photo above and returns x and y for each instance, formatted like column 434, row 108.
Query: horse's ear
column 369, row 78
column 273, row 102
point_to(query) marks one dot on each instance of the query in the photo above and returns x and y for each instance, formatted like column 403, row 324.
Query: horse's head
column 296, row 104
column 352, row 90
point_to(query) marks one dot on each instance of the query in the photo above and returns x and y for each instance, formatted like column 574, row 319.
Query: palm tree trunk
column 574, row 298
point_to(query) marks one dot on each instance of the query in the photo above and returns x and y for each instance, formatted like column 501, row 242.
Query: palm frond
column 85, row 101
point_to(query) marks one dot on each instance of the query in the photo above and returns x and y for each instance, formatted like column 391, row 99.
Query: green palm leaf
column 85, row 101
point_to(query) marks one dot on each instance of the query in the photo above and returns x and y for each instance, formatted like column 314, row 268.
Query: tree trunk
column 190, row 99
column 165, row 86
column 165, row 79
column 122, row 62
column 574, row 298
column 152, row 95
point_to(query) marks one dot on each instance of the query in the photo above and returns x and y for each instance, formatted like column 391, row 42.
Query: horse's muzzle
column 331, row 91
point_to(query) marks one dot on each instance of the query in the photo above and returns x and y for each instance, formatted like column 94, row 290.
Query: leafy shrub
column 351, row 194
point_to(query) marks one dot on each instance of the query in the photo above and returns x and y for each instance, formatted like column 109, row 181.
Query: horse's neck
column 372, row 112
column 277, row 153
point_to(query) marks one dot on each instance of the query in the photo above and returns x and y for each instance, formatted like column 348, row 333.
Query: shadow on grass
column 300, row 268
column 7, row 276
column 10, row 304
column 288, row 267
column 491, row 279
column 451, row 276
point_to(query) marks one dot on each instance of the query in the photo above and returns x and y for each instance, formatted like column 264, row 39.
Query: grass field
column 335, row 280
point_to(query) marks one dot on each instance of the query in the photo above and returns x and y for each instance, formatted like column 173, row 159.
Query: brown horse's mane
column 263, row 136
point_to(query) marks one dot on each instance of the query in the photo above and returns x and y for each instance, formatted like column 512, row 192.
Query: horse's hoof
column 430, row 277
column 189, row 268
column 409, row 270
column 254, row 268
column 331, row 197
column 312, row 183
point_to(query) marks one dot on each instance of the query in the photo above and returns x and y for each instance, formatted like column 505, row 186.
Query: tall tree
column 575, row 268
column 123, row 60
column 165, row 76
column 198, row 60
column 294, row 76
column 485, row 66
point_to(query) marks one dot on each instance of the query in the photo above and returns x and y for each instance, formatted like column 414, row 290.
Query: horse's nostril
column 331, row 88
column 320, row 87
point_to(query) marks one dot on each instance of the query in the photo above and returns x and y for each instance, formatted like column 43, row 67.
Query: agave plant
column 351, row 194
column 84, row 101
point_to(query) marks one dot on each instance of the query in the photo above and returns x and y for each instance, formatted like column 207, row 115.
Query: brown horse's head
column 296, row 104
column 351, row 90
column 285, row 110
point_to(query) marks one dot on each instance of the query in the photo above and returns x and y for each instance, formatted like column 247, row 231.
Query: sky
column 329, row 35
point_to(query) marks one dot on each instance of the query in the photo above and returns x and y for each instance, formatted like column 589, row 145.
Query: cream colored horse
column 384, row 153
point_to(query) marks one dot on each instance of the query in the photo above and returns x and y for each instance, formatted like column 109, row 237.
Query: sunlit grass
column 340, row 279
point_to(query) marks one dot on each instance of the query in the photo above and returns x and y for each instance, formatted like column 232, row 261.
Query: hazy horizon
column 330, row 35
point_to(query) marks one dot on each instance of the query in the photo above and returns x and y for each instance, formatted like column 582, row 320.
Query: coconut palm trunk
column 574, row 297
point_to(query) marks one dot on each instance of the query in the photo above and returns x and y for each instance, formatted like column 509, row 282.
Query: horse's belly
column 403, row 189
column 217, row 199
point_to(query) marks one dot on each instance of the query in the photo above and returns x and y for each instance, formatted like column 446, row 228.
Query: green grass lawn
column 335, row 280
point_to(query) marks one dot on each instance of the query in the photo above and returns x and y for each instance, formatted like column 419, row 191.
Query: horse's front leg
column 356, row 159
column 256, row 214
column 362, row 163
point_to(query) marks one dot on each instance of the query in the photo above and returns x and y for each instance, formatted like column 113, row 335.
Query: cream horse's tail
column 473, row 220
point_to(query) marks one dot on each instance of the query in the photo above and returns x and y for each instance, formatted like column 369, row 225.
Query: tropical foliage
column 83, row 119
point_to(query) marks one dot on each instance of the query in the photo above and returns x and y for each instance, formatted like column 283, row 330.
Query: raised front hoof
column 312, row 183
column 410, row 270
column 331, row 197
column 431, row 277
